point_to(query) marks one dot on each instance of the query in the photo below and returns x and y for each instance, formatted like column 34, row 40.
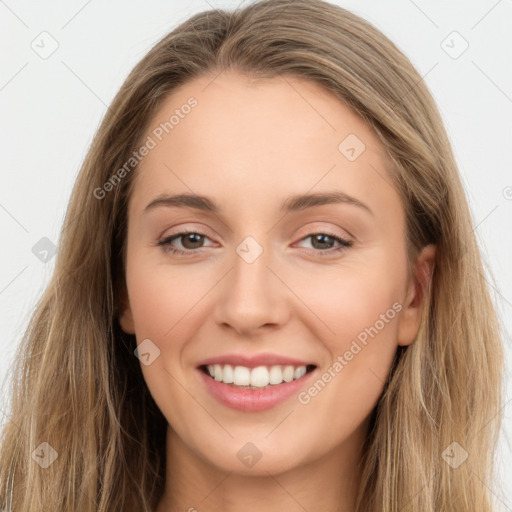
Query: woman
column 249, row 369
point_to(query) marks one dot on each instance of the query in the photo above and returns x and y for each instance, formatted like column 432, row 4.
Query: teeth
column 227, row 374
column 258, row 377
column 275, row 375
column 299, row 372
column 288, row 373
column 241, row 376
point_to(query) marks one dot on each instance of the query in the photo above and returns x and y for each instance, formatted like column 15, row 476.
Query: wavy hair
column 77, row 384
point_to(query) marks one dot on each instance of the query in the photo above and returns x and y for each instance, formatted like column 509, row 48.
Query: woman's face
column 297, row 258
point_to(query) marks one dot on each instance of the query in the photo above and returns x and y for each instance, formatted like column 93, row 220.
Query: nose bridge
column 251, row 294
column 250, row 265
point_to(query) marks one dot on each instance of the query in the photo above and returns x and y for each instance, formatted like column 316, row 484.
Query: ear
column 126, row 316
column 420, row 280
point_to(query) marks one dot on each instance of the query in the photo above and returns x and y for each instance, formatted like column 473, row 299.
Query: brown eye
column 191, row 241
column 320, row 241
column 323, row 242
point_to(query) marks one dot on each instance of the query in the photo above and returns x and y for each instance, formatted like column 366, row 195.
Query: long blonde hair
column 78, row 385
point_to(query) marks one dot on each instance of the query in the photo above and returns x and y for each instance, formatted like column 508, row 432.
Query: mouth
column 257, row 378
column 254, row 389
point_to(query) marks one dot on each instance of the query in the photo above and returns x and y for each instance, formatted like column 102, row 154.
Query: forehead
column 238, row 138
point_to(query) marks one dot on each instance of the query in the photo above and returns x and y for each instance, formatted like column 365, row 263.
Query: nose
column 252, row 295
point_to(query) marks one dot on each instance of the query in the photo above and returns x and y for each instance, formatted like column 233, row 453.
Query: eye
column 191, row 242
column 324, row 242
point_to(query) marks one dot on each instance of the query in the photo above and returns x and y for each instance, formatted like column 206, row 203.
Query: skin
column 249, row 145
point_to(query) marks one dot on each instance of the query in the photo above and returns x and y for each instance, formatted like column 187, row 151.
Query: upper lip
column 254, row 361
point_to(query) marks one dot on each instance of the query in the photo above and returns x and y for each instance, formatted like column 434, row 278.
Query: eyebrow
column 293, row 203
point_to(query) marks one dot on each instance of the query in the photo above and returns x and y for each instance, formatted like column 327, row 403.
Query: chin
column 255, row 458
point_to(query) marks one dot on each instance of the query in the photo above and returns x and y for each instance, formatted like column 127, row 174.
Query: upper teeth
column 259, row 377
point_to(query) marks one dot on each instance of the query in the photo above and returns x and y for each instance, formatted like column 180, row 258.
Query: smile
column 255, row 378
column 254, row 389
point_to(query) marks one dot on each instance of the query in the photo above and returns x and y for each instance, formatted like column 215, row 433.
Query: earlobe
column 410, row 318
column 126, row 316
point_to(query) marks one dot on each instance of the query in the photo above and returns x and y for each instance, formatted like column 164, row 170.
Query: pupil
column 190, row 236
column 318, row 238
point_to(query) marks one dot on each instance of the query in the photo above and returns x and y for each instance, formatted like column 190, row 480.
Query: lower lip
column 253, row 400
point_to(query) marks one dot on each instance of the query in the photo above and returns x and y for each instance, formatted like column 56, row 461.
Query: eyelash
column 167, row 247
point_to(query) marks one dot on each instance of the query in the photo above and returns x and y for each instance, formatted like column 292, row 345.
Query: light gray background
column 51, row 107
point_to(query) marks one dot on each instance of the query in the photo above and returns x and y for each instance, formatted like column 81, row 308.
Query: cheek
column 352, row 380
column 356, row 315
column 162, row 298
column 349, row 300
column 365, row 306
